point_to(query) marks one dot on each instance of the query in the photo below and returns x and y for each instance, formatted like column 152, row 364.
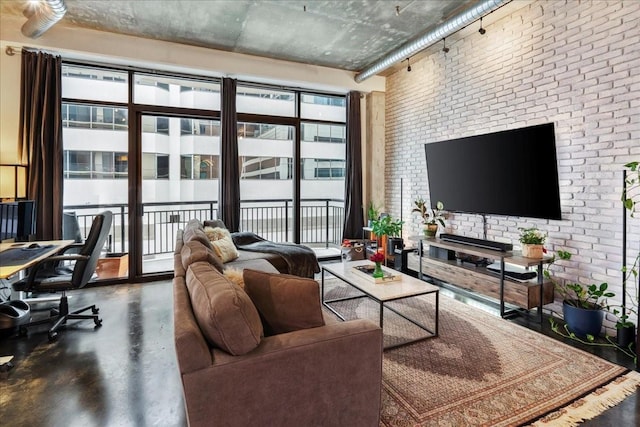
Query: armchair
column 42, row 278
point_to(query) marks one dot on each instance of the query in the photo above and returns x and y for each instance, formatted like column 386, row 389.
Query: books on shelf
column 367, row 271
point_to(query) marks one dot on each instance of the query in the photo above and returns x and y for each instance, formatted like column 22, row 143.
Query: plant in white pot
column 532, row 241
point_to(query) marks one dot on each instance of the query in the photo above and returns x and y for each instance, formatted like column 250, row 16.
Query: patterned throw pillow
column 222, row 243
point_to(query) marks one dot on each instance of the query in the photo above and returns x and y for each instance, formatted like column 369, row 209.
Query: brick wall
column 574, row 63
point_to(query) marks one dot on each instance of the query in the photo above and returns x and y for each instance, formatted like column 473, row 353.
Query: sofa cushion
column 286, row 303
column 195, row 251
column 196, row 234
column 222, row 243
column 227, row 317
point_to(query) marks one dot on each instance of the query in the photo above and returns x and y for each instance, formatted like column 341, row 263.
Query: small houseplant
column 386, row 227
column 532, row 241
column 430, row 217
column 372, row 213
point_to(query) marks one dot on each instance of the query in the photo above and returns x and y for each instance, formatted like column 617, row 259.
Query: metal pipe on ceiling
column 43, row 16
column 445, row 29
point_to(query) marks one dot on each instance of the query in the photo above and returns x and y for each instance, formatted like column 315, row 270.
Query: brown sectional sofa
column 233, row 375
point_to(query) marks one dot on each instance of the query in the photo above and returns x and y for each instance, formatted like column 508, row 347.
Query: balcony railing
column 321, row 219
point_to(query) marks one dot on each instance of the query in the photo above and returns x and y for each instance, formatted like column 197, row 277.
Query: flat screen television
column 511, row 173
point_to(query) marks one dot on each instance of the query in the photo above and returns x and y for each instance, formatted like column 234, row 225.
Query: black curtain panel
column 229, row 199
column 40, row 137
column 353, row 211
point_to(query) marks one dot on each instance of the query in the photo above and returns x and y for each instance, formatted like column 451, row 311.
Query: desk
column 7, row 271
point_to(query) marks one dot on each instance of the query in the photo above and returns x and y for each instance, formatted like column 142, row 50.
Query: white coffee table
column 381, row 293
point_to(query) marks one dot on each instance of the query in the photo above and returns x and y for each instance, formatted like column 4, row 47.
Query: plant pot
column 583, row 321
column 430, row 230
column 532, row 251
column 626, row 336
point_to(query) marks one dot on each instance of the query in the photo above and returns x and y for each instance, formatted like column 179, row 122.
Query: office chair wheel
column 53, row 336
column 95, row 310
column 98, row 322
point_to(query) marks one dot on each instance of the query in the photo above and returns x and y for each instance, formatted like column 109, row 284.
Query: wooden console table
column 534, row 293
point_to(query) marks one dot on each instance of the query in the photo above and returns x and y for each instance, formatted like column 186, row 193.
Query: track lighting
column 481, row 30
column 445, row 49
column 408, row 65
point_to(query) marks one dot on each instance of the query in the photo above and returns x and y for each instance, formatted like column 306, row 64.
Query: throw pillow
column 222, row 243
column 286, row 303
column 214, row 223
column 226, row 316
column 234, row 275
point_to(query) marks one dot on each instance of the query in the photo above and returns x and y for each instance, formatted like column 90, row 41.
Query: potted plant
column 372, row 213
column 430, row 217
column 532, row 241
column 583, row 307
column 384, row 228
column 626, row 329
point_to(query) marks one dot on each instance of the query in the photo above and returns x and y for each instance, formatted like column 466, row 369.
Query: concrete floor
column 124, row 373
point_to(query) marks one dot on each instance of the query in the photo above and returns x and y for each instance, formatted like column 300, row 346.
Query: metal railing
column 321, row 219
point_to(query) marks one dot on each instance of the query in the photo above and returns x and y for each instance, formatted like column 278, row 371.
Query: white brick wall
column 574, row 63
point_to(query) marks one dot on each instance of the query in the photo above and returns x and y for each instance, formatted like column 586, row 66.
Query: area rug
column 482, row 370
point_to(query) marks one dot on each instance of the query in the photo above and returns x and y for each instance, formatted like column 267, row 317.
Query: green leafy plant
column 631, row 200
column 429, row 215
column 581, row 296
column 592, row 296
column 387, row 226
column 532, row 236
column 372, row 212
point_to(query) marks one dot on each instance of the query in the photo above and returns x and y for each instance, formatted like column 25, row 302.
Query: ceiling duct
column 43, row 16
column 445, row 29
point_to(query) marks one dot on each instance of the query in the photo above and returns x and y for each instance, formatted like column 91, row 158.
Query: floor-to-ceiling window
column 156, row 153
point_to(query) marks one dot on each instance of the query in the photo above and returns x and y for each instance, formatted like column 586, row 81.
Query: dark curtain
column 229, row 199
column 41, row 138
column 353, row 212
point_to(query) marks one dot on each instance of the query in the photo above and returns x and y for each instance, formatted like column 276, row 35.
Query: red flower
column 377, row 257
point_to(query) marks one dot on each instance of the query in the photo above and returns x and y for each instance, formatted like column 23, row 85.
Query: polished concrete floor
column 124, row 373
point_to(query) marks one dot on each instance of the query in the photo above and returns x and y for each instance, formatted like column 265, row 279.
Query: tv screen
column 512, row 173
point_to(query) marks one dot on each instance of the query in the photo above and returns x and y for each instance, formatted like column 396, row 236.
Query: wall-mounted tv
column 511, row 173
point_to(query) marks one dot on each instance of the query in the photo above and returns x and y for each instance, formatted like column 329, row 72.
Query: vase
column 430, row 230
column 532, row 251
column 377, row 273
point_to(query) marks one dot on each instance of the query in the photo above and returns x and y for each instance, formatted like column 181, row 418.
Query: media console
column 526, row 294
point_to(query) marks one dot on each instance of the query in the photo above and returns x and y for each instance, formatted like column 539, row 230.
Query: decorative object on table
column 431, row 217
column 532, row 241
column 372, row 213
column 386, row 227
column 352, row 250
column 367, row 270
column 377, row 258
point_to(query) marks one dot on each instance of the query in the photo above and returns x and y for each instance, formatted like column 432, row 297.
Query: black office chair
column 85, row 262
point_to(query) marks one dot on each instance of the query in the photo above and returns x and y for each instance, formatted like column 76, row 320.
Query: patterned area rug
column 480, row 370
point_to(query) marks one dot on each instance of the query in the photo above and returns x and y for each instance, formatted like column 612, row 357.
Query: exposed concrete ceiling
column 343, row 34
